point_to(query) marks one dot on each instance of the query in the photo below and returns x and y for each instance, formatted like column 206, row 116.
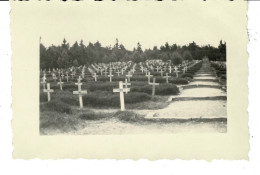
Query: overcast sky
column 148, row 23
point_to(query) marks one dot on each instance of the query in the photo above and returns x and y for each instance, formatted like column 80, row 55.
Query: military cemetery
column 91, row 89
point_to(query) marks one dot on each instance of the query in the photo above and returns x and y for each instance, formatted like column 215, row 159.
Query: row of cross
column 121, row 90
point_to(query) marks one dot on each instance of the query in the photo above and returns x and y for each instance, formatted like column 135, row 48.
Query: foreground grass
column 62, row 123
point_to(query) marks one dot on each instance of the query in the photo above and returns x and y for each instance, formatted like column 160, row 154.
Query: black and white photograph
column 101, row 84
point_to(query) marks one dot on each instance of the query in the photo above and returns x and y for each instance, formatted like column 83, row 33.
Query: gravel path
column 195, row 107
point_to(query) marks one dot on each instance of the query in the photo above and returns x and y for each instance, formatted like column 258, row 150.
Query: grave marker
column 60, row 83
column 48, row 91
column 128, row 76
column 80, row 93
column 95, row 76
column 43, row 82
column 118, row 72
column 121, row 91
column 167, row 78
column 153, row 84
column 110, row 77
column 176, row 71
column 149, row 77
column 126, row 84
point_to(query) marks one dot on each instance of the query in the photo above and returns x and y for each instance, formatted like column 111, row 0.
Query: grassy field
column 101, row 106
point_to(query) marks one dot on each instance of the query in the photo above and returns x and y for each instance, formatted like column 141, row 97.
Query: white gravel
column 192, row 109
column 204, row 83
column 202, row 92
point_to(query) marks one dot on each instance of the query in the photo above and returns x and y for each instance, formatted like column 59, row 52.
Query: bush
column 57, row 106
column 90, row 115
column 106, row 99
column 129, row 116
column 178, row 81
column 58, row 122
column 187, row 75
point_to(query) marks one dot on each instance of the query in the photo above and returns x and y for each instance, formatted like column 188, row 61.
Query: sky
column 148, row 23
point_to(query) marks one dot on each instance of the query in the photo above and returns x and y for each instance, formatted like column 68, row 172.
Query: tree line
column 64, row 55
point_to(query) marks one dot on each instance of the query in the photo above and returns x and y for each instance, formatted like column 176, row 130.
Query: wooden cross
column 83, row 74
column 43, row 81
column 149, row 77
column 60, row 83
column 118, row 72
column 48, row 91
column 67, row 76
column 54, row 77
column 121, row 90
column 142, row 69
column 165, row 68
column 170, row 68
column 157, row 68
column 167, row 78
column 146, row 71
column 101, row 72
column 183, row 70
column 110, row 77
column 80, row 93
column 128, row 76
column 176, row 71
column 95, row 76
column 122, row 71
column 79, row 79
column 105, row 72
column 153, row 84
column 161, row 72
column 126, row 84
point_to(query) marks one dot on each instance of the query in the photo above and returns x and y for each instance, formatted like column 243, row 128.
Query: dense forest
column 64, row 55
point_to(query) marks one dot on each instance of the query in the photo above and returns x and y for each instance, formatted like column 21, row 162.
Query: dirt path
column 196, row 100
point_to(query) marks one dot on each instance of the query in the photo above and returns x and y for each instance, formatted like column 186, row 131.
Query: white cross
column 95, row 76
column 118, row 72
column 121, row 90
column 165, row 68
column 79, row 79
column 60, row 83
column 122, row 71
column 101, row 71
column 149, row 76
column 80, row 93
column 161, row 72
column 126, row 84
column 167, row 78
column 48, row 91
column 83, row 74
column 105, row 72
column 153, row 84
column 128, row 76
column 157, row 68
column 54, row 77
column 110, row 77
column 176, row 71
column 146, row 71
column 170, row 68
column 43, row 81
column 67, row 76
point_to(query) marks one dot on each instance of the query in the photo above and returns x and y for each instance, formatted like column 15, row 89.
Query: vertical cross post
column 153, row 88
column 48, row 91
column 121, row 91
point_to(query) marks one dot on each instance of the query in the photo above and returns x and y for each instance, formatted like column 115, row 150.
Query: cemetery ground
column 195, row 101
